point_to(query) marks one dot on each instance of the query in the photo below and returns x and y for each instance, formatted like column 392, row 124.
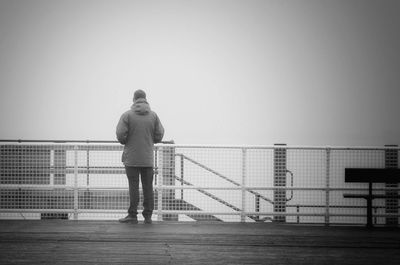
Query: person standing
column 138, row 130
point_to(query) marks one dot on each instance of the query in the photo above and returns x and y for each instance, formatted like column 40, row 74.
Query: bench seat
column 371, row 176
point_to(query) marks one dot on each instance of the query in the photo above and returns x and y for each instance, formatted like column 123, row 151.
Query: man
column 138, row 129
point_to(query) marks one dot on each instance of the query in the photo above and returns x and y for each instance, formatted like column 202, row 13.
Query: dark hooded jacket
column 138, row 129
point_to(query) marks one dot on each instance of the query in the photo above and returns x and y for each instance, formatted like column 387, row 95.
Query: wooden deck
column 107, row 242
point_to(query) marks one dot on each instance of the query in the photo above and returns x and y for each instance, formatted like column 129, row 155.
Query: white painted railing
column 294, row 184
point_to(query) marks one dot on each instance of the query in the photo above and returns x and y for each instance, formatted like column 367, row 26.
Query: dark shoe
column 129, row 219
column 148, row 221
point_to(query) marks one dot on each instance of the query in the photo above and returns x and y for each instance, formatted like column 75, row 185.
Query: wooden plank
column 105, row 242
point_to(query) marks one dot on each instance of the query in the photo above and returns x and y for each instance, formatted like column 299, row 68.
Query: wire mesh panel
column 196, row 174
column 307, row 168
column 191, row 183
column 24, row 164
column 33, row 179
column 260, row 173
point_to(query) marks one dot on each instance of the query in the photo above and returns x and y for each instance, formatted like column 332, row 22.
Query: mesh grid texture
column 192, row 183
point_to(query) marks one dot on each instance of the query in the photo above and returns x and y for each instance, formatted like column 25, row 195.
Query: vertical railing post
column 243, row 213
column 87, row 165
column 52, row 167
column 168, row 174
column 280, row 171
column 327, row 185
column 75, row 182
column 87, row 201
column 391, row 202
column 182, row 174
column 159, row 181
column 155, row 168
column 257, row 206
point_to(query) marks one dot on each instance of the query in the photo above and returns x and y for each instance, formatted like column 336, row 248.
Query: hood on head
column 141, row 107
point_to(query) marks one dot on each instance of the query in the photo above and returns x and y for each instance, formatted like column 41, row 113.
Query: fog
column 216, row 72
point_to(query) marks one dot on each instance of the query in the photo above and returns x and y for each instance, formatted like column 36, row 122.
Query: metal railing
column 86, row 180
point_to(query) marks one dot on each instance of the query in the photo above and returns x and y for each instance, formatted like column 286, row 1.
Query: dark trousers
column 146, row 176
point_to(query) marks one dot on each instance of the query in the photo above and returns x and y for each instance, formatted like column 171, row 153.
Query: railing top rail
column 212, row 146
column 302, row 147
column 55, row 141
column 68, row 141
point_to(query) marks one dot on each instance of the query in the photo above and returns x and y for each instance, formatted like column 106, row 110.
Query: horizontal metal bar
column 35, row 187
column 235, row 213
column 105, row 211
column 48, row 170
column 334, row 206
column 97, row 171
column 68, row 141
column 37, row 210
column 172, row 144
column 56, row 141
column 272, row 188
column 273, row 147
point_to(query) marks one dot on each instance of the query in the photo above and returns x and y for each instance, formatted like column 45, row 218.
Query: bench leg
column 369, row 213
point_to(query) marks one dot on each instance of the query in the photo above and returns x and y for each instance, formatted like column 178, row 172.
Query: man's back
column 138, row 129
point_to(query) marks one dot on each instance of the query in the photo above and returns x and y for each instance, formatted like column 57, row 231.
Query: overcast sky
column 251, row 72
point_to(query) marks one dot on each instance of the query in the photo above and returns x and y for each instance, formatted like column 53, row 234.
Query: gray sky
column 216, row 72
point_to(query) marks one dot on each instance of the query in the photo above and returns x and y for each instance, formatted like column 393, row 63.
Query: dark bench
column 370, row 176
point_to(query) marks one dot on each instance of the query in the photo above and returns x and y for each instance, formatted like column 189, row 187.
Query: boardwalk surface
column 106, row 242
